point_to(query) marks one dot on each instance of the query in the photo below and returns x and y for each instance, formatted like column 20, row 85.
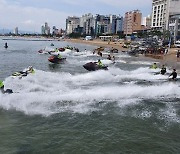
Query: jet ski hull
column 56, row 60
column 93, row 67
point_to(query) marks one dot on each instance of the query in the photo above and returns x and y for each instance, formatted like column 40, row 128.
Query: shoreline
column 169, row 59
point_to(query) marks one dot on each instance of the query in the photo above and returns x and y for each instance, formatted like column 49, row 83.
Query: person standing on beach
column 177, row 55
column 166, row 51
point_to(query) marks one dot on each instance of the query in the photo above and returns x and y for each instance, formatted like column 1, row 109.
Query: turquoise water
column 65, row 109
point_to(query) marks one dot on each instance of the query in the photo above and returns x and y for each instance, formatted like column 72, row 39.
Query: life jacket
column 1, row 84
column 59, row 56
column 100, row 63
column 154, row 66
column 33, row 71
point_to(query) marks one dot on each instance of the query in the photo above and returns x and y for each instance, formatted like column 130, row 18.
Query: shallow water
column 65, row 109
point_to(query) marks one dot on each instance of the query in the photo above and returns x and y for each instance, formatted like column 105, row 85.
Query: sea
column 65, row 109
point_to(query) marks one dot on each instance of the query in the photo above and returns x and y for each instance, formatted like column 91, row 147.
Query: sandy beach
column 169, row 59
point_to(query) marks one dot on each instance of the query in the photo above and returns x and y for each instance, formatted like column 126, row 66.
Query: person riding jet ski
column 9, row 91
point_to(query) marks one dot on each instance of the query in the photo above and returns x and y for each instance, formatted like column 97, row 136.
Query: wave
column 48, row 93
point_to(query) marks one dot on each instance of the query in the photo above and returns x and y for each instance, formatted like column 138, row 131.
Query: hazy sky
column 30, row 15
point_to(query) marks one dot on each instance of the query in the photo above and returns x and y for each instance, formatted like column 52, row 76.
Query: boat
column 55, row 59
column 93, row 66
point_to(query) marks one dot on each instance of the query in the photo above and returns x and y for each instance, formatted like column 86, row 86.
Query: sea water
column 63, row 108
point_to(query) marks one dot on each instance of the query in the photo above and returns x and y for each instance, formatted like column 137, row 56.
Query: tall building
column 42, row 30
column 112, row 24
column 174, row 27
column 16, row 31
column 147, row 22
column 119, row 24
column 132, row 21
column 71, row 24
column 55, row 31
column 161, row 11
column 45, row 29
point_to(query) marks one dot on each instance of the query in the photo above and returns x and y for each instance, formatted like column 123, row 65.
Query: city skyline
column 31, row 15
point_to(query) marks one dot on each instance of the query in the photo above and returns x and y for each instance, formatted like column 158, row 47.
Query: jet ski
column 24, row 73
column 43, row 51
column 61, row 49
column 19, row 74
column 6, row 46
column 8, row 91
column 55, row 59
column 93, row 66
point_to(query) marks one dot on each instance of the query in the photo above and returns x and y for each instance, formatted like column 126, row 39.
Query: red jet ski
column 56, row 60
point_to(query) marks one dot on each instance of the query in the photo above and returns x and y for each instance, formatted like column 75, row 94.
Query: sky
column 30, row 15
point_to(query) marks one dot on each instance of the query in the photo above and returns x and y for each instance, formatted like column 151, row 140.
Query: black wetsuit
column 2, row 89
column 174, row 74
column 163, row 70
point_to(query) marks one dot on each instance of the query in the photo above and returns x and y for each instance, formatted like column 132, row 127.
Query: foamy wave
column 48, row 93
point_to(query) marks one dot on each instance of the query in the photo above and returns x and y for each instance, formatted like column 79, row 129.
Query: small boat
column 93, row 66
column 55, row 59
column 43, row 51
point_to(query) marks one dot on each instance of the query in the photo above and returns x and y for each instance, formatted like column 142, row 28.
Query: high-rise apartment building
column 174, row 27
column 42, row 30
column 161, row 10
column 147, row 22
column 71, row 24
column 16, row 31
column 132, row 21
column 119, row 24
column 45, row 29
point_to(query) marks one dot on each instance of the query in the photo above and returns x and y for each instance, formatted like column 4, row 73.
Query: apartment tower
column 132, row 21
column 161, row 11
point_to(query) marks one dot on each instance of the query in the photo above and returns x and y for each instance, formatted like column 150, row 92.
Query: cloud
column 28, row 22
column 31, row 14
column 29, row 18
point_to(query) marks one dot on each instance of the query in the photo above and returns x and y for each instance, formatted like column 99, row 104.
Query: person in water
column 1, row 86
column 113, row 59
column 109, row 57
column 173, row 74
column 100, row 63
column 154, row 66
column 163, row 70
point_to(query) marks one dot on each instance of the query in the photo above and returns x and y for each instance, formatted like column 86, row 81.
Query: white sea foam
column 48, row 93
